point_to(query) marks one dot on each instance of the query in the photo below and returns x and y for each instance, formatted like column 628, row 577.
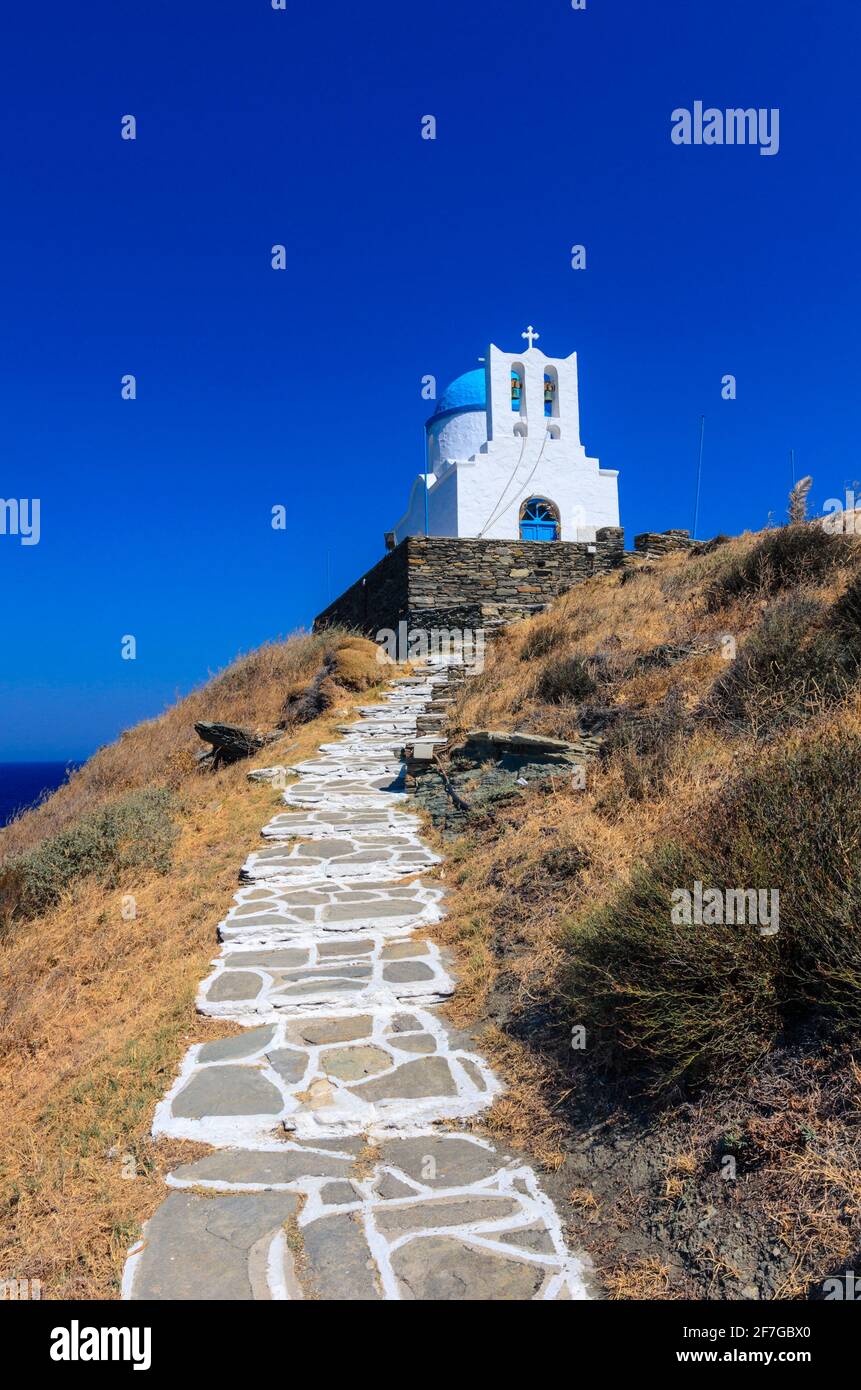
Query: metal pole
column 427, row 454
column 699, row 477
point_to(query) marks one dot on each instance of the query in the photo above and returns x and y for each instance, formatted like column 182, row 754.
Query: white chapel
column 504, row 457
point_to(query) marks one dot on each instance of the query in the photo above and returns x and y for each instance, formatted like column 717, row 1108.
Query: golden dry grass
column 510, row 913
column 96, row 1011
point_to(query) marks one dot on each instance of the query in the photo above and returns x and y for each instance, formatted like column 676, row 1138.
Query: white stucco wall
column 456, row 437
column 481, row 495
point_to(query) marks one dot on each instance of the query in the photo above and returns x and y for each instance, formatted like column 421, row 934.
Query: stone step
column 326, row 965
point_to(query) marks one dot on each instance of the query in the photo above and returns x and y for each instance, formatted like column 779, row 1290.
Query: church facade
column 505, row 460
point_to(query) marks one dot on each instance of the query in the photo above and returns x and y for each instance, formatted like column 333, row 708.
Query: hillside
column 690, row 1089
column 109, row 895
column 705, row 1133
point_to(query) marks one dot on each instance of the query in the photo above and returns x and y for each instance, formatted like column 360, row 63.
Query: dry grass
column 640, row 1278
column 97, row 1011
column 250, row 692
column 524, row 881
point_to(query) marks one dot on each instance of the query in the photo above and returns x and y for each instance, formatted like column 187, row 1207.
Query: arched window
column 539, row 520
column 551, row 392
column 518, row 394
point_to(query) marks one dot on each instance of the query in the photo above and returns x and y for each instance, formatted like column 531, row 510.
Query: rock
column 352, row 1063
column 340, row 1266
column 440, row 1268
column 514, row 741
column 204, row 1247
column 229, row 742
column 277, row 774
column 230, row 1090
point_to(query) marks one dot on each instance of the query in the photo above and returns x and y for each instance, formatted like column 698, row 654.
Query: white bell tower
column 504, row 456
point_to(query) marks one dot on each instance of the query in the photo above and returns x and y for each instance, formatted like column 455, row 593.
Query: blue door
column 538, row 521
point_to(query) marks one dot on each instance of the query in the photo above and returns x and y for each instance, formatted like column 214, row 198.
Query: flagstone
column 340, row 1266
column 415, row 1042
column 407, row 971
column 260, row 1168
column 401, row 949
column 289, row 1064
column 235, row 1090
column 445, row 1212
column 228, row 1049
column 234, row 984
column 352, row 1063
column 438, row 1268
column 441, row 1160
column 338, row 881
column 330, row 1030
column 431, row 1076
column 202, row 1248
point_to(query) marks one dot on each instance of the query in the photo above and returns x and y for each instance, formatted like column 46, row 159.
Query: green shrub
column 643, row 745
column 781, row 559
column 793, row 664
column 566, row 680
column 696, row 1003
column 135, row 832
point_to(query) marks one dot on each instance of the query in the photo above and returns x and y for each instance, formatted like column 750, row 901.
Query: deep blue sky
column 406, row 257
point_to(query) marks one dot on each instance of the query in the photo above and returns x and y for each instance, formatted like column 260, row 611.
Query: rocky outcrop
column 229, row 742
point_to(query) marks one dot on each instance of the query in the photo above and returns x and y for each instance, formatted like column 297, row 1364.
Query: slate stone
column 389, row 1188
column 358, row 971
column 328, row 849
column 339, row 1263
column 330, row 1030
column 338, row 1194
column 473, row 1073
column 269, row 960
column 414, row 1042
column 328, row 949
column 227, row 1049
column 535, row 1238
column 405, row 1023
column 454, row 1161
column 442, row 1268
column 272, row 919
column 200, row 1248
column 262, row 1168
column 227, row 1091
column 234, row 984
column 323, row 985
column 352, row 1063
column 410, row 1081
column 367, row 911
column 402, row 972
column 400, row 950
column 445, row 1211
column 290, row 1065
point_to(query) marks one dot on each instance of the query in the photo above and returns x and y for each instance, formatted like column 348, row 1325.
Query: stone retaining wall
column 441, row 581
column 662, row 542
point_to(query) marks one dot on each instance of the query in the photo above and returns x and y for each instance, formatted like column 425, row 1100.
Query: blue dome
column 466, row 392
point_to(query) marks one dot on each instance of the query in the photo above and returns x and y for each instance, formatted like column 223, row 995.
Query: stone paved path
column 338, row 1170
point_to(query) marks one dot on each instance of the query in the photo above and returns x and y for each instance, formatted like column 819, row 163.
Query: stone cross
column 531, row 335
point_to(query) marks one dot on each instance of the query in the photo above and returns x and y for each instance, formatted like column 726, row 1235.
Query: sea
column 23, row 783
